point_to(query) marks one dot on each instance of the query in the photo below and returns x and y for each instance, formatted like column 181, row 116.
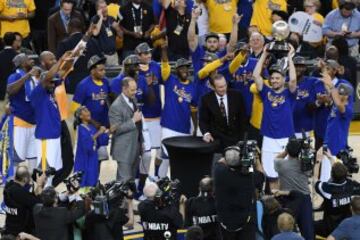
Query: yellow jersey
column 262, row 10
column 257, row 107
column 113, row 10
column 221, row 13
column 13, row 8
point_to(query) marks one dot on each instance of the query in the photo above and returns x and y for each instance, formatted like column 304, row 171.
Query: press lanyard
column 134, row 16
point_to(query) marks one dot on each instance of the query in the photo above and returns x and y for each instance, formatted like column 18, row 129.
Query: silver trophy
column 280, row 32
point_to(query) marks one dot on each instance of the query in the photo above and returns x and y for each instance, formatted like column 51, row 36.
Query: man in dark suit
column 59, row 21
column 6, row 64
column 222, row 114
column 51, row 221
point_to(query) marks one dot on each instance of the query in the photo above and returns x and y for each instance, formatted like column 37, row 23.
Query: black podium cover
column 190, row 160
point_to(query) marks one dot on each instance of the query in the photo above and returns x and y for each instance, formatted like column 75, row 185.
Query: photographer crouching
column 20, row 196
column 234, row 180
column 112, row 208
column 293, row 167
column 336, row 192
column 162, row 212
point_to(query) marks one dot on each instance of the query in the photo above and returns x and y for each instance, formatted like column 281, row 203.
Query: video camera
column 73, row 182
column 48, row 172
column 348, row 160
column 168, row 193
column 301, row 148
column 110, row 195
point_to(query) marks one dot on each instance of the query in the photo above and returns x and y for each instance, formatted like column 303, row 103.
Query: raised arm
column 234, row 33
column 292, row 71
column 326, row 79
column 193, row 40
column 258, row 70
column 165, row 66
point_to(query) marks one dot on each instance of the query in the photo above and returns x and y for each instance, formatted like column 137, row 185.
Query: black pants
column 248, row 233
column 67, row 155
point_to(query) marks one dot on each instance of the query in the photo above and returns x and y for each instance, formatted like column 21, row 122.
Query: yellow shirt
column 257, row 106
column 113, row 10
column 318, row 17
column 262, row 10
column 12, row 8
column 220, row 15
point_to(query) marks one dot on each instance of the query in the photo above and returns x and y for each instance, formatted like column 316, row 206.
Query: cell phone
column 325, row 148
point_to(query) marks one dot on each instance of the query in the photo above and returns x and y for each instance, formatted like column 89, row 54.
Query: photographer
column 289, row 166
column 234, row 182
column 110, row 227
column 19, row 201
column 52, row 221
column 201, row 210
column 158, row 219
column 336, row 193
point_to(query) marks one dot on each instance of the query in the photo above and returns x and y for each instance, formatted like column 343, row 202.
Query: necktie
column 222, row 108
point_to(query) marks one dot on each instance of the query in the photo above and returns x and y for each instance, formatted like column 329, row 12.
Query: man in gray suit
column 126, row 126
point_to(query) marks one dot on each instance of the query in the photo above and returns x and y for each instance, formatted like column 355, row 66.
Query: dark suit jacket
column 80, row 68
column 211, row 120
column 56, row 29
column 6, row 68
column 52, row 223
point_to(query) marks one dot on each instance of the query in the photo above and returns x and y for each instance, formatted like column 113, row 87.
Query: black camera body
column 248, row 153
column 301, row 148
column 168, row 193
column 110, row 195
column 72, row 183
column 48, row 172
column 349, row 160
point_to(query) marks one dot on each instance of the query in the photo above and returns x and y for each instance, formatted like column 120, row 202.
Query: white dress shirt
column 127, row 100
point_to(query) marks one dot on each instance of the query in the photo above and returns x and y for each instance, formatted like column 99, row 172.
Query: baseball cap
column 277, row 68
column 182, row 62
column 94, row 61
column 131, row 60
column 142, row 48
column 209, row 57
column 345, row 89
column 332, row 63
column 299, row 60
column 19, row 59
column 211, row 35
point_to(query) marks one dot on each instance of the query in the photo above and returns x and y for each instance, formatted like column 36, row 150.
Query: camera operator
column 234, row 182
column 19, row 201
column 336, row 193
column 110, row 227
column 201, row 210
column 159, row 220
column 51, row 220
column 293, row 178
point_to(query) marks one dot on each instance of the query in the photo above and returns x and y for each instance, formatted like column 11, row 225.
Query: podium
column 190, row 160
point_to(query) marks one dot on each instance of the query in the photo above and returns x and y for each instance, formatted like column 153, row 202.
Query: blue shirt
column 176, row 114
column 47, row 115
column 305, row 95
column 243, row 81
column 153, row 110
column 277, row 121
column 19, row 103
column 334, row 21
column 116, row 88
column 337, row 130
column 322, row 112
column 287, row 236
column 348, row 229
column 95, row 98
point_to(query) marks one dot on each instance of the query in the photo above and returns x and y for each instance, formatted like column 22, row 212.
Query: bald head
column 22, row 174
column 232, row 157
column 206, row 185
column 150, row 190
column 47, row 60
column 285, row 222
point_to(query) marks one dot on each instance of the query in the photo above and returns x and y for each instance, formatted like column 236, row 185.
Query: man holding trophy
column 277, row 122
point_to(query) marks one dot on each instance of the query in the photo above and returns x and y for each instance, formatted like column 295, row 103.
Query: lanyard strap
column 134, row 16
